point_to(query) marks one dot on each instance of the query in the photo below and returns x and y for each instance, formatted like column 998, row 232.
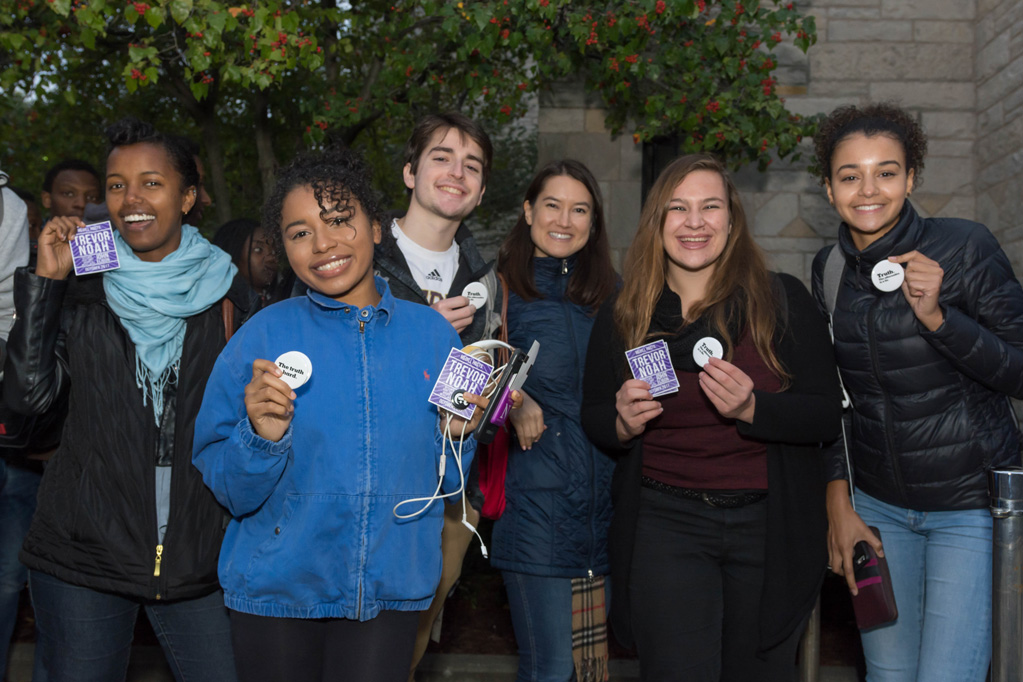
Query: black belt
column 723, row 499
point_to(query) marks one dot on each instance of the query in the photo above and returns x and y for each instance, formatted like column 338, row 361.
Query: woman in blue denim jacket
column 323, row 579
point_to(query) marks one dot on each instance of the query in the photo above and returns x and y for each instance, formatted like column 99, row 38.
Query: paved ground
column 147, row 665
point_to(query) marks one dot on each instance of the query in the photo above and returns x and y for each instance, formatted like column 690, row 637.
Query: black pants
column 270, row 649
column 697, row 574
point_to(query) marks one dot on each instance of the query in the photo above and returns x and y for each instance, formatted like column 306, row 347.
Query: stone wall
column 958, row 64
column 998, row 38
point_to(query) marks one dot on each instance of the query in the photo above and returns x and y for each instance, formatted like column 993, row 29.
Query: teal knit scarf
column 154, row 300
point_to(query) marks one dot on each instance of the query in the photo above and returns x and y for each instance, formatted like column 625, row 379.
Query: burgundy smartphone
column 875, row 603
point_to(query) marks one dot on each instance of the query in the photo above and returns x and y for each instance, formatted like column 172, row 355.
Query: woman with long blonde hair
column 718, row 537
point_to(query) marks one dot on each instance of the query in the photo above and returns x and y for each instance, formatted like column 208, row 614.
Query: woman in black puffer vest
column 928, row 366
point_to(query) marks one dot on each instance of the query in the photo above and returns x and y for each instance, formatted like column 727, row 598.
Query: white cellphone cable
column 486, row 346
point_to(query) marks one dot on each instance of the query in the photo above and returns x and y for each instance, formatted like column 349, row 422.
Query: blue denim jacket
column 313, row 533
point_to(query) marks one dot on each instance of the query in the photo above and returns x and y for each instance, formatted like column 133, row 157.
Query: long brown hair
column 593, row 278
column 740, row 284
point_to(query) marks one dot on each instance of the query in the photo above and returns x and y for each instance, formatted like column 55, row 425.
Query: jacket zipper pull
column 564, row 266
column 362, row 326
column 589, row 572
column 159, row 558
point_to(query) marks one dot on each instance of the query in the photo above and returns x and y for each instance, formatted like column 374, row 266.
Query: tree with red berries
column 302, row 72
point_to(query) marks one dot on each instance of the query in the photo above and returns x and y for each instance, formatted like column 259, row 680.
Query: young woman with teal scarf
column 124, row 521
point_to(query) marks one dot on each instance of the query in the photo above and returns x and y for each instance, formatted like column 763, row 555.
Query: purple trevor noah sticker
column 461, row 373
column 652, row 364
column 93, row 249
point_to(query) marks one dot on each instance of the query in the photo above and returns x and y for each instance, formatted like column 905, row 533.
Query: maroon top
column 692, row 446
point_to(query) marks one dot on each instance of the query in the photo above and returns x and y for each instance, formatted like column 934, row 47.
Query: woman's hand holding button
column 268, row 401
column 729, row 389
column 922, row 286
column 635, row 408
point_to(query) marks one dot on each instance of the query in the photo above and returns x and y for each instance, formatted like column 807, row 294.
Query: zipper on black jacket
column 889, row 438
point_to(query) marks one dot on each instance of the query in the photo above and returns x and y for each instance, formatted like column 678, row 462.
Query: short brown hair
column 428, row 125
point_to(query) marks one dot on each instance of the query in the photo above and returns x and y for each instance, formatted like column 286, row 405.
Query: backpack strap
column 834, row 268
column 227, row 312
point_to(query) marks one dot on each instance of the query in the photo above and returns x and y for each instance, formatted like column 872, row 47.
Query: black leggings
column 270, row 649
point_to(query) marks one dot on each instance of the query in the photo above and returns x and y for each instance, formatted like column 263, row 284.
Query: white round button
column 476, row 292
column 706, row 348
column 887, row 276
column 296, row 368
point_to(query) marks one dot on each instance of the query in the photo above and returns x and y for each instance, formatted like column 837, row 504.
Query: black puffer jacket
column 929, row 410
column 96, row 521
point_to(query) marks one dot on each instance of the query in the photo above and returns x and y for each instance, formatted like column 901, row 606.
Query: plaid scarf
column 589, row 630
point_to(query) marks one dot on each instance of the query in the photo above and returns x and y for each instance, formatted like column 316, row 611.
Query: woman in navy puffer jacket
column 551, row 540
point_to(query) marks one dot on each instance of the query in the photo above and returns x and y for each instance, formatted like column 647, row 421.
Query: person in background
column 250, row 249
column 19, row 477
column 551, row 541
column 68, row 186
column 124, row 521
column 718, row 540
column 428, row 256
column 928, row 367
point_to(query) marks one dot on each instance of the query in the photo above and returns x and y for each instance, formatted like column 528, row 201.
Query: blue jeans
column 541, row 613
column 940, row 564
column 85, row 636
column 18, row 487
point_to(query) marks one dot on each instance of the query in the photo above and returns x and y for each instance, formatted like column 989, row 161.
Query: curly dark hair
column 338, row 177
column 130, row 130
column 880, row 118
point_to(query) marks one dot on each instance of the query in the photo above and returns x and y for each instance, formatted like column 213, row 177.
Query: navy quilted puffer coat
column 558, row 493
column 929, row 410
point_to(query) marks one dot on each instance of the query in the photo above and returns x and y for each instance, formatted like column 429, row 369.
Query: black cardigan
column 792, row 423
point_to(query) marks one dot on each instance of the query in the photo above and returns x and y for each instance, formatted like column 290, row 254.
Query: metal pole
column 810, row 647
column 1006, row 486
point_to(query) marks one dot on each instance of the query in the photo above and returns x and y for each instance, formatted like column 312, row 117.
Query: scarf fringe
column 153, row 390
column 589, row 630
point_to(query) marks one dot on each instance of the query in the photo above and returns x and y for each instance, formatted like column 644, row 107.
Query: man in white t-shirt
column 428, row 256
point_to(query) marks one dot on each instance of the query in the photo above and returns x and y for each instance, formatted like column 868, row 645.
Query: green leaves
column 180, row 9
column 701, row 69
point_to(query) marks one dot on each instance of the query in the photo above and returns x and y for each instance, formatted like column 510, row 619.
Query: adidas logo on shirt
column 434, row 275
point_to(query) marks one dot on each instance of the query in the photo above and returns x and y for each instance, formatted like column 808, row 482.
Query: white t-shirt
column 433, row 271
